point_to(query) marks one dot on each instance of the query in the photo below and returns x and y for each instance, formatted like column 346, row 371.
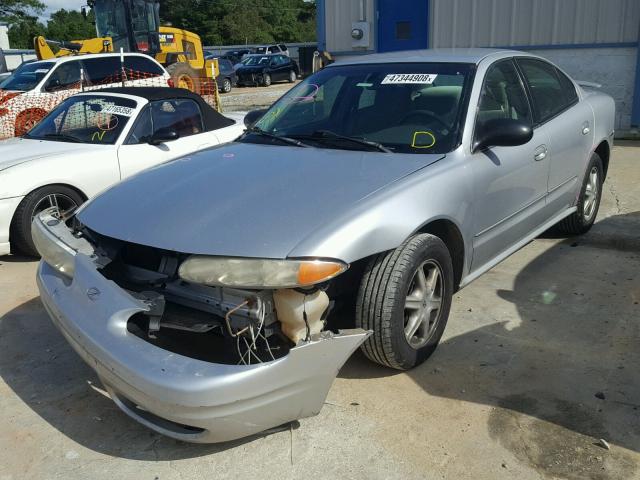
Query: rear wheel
column 26, row 120
column 226, row 85
column 583, row 218
column 404, row 298
column 266, row 80
column 57, row 196
column 184, row 76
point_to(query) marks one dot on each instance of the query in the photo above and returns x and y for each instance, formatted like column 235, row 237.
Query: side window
column 568, row 88
column 142, row 130
column 141, row 65
column 545, row 87
column 101, row 71
column 503, row 94
column 183, row 116
column 67, row 75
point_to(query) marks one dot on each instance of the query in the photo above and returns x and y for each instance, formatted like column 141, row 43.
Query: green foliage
column 220, row 22
column 62, row 26
column 12, row 11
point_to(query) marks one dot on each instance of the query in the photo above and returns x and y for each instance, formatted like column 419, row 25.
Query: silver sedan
column 218, row 295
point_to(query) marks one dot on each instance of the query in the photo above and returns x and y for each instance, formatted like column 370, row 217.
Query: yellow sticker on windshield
column 423, row 140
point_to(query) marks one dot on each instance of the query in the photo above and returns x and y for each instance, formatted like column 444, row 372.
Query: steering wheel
column 424, row 114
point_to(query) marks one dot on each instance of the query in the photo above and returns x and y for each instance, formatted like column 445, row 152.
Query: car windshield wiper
column 287, row 140
column 58, row 136
column 320, row 135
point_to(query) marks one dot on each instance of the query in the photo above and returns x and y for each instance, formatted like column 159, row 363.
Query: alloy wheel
column 423, row 304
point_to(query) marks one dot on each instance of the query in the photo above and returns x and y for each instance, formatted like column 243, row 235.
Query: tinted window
column 183, row 116
column 503, row 95
column 142, row 65
column 102, row 70
column 407, row 107
column 66, row 75
column 26, row 76
column 568, row 88
column 547, row 93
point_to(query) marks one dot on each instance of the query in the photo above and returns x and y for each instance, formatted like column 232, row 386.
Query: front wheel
column 266, row 80
column 404, row 298
column 62, row 198
column 292, row 76
column 588, row 204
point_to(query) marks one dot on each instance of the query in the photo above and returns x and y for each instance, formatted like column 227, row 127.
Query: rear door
column 181, row 115
column 570, row 126
column 510, row 182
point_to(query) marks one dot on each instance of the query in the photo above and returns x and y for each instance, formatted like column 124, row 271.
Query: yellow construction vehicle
column 134, row 26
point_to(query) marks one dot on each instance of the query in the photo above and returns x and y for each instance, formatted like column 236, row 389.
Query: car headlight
column 258, row 273
column 51, row 247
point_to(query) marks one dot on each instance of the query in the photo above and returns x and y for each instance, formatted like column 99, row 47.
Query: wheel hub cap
column 591, row 195
column 423, row 304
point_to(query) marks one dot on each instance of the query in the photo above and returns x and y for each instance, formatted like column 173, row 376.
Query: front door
column 510, row 182
column 402, row 25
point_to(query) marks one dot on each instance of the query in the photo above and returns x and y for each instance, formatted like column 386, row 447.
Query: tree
column 13, row 11
column 70, row 25
column 21, row 33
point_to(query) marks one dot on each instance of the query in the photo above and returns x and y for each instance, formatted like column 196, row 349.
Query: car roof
column 432, row 55
column 213, row 120
column 68, row 58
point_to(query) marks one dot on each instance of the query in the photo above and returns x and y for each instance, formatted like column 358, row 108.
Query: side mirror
column 251, row 118
column 52, row 85
column 163, row 135
column 502, row 132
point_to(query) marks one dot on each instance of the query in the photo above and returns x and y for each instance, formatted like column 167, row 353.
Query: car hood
column 243, row 200
column 15, row 151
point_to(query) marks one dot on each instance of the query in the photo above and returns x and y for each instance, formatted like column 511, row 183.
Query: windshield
column 256, row 60
column 96, row 119
column 26, row 76
column 402, row 107
column 111, row 21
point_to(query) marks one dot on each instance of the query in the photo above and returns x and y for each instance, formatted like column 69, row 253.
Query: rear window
column 102, row 70
column 143, row 65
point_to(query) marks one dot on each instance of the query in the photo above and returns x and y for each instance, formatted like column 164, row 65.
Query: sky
column 55, row 5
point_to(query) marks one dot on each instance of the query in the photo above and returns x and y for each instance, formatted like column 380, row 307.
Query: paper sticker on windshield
column 118, row 110
column 404, row 78
column 42, row 70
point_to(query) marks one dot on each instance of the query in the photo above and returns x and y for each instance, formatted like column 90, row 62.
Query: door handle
column 585, row 128
column 540, row 153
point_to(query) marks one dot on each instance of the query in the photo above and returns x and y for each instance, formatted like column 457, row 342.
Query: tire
column 32, row 204
column 26, row 120
column 588, row 204
column 226, row 85
column 184, row 76
column 389, row 285
column 266, row 80
column 292, row 76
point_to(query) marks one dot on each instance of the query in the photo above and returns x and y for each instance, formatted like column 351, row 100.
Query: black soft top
column 213, row 120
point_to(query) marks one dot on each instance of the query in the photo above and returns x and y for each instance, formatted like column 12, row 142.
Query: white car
column 93, row 140
column 35, row 88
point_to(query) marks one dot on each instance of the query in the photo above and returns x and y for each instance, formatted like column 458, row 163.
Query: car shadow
column 562, row 373
column 42, row 369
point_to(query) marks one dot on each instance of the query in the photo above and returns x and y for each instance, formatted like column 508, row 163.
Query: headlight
column 258, row 273
column 50, row 247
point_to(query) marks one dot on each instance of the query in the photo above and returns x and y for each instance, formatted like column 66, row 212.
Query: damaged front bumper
column 178, row 396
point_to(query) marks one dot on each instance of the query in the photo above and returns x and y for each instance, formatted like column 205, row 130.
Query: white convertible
column 93, row 140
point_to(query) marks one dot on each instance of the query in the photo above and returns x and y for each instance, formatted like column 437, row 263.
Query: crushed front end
column 196, row 362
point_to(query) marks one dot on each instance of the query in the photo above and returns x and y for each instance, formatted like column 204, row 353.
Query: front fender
column 385, row 219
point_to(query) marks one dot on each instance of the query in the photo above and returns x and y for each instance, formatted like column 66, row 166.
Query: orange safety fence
column 20, row 111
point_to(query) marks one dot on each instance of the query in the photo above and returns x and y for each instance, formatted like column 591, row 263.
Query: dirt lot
column 539, row 361
column 244, row 99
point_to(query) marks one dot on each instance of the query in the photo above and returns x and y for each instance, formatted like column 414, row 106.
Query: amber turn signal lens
column 314, row 272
